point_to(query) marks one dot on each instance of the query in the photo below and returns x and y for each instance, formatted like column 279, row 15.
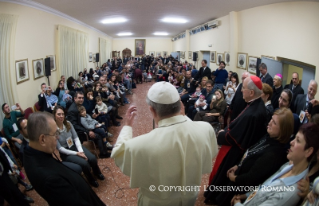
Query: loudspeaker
column 257, row 67
column 47, row 67
column 194, row 56
column 97, row 57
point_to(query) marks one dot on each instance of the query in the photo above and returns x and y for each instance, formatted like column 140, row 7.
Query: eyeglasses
column 56, row 134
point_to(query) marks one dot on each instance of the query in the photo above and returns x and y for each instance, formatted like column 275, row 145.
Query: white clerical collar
column 268, row 103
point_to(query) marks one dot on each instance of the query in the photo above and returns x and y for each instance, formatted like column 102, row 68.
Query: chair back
column 27, row 112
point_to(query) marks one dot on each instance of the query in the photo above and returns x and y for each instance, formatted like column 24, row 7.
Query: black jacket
column 295, row 92
column 267, row 79
column 300, row 103
column 55, row 182
column 200, row 74
column 43, row 103
column 74, row 117
column 238, row 104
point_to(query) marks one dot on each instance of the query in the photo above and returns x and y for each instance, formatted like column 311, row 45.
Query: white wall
column 152, row 44
column 36, row 38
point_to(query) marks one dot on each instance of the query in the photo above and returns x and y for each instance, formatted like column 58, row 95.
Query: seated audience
column 9, row 123
column 52, row 100
column 217, row 108
column 57, row 184
column 42, row 101
column 231, row 88
column 302, row 149
column 266, row 97
column 189, row 87
column 63, row 97
column 295, row 87
column 71, row 150
column 201, row 99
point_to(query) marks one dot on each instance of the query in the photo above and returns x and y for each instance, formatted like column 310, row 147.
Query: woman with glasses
column 71, row 150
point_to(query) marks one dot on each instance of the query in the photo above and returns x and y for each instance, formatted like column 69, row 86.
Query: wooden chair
column 27, row 112
column 37, row 107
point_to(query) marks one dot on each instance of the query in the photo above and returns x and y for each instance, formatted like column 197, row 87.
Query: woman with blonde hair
column 203, row 82
column 217, row 107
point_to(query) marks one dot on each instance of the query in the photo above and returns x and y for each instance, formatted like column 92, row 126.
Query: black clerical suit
column 297, row 90
column 55, row 182
column 275, row 97
column 242, row 133
column 238, row 104
column 202, row 73
column 267, row 79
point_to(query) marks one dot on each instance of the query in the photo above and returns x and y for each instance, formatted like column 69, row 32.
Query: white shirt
column 175, row 154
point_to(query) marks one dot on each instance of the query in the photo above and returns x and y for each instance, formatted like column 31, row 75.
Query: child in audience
column 200, row 100
column 101, row 106
column 170, row 77
column 52, row 99
column 196, row 95
column 149, row 76
column 66, row 97
column 313, row 194
column 91, row 124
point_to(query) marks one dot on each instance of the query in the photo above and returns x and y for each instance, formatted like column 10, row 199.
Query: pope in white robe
column 166, row 164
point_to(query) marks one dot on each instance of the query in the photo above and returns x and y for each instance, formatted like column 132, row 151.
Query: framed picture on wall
column 38, row 68
column 242, row 60
column 252, row 64
column 94, row 58
column 220, row 57
column 152, row 53
column 158, row 54
column 189, row 54
column 164, row 53
column 227, row 58
column 52, row 62
column 213, row 56
column 90, row 56
column 22, row 70
column 269, row 57
column 140, row 46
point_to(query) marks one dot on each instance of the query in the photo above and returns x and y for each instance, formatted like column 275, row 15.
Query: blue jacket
column 221, row 76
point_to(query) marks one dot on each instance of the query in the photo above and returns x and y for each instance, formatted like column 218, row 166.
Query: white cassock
column 176, row 153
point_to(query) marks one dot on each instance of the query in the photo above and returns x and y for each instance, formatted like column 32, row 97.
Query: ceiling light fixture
column 113, row 20
column 174, row 20
column 124, row 34
column 160, row 33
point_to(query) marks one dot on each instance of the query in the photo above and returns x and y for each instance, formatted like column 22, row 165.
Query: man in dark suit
column 165, row 60
column 56, row 183
column 265, row 77
column 295, row 88
column 277, row 89
column 203, row 71
column 73, row 116
column 302, row 100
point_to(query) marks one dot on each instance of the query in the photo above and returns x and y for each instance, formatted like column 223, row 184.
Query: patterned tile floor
column 115, row 190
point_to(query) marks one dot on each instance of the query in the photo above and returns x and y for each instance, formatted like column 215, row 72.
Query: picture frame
column 227, row 58
column 219, row 58
column 22, row 70
column 269, row 57
column 190, row 54
column 94, row 58
column 140, row 46
column 38, row 68
column 90, row 56
column 252, row 64
column 52, row 62
column 182, row 55
column 242, row 60
column 152, row 52
column 164, row 53
column 212, row 56
column 158, row 54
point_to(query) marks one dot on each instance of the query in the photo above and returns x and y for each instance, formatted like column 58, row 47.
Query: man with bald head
column 295, row 87
column 56, row 183
column 235, row 139
column 238, row 104
column 277, row 89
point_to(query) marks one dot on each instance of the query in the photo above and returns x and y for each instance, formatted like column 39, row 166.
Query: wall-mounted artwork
column 182, row 55
column 52, row 62
column 94, row 58
column 158, row 54
column 213, row 56
column 22, row 70
column 220, row 57
column 242, row 60
column 164, row 53
column 38, row 68
column 190, row 54
column 90, row 56
column 269, row 57
column 227, row 58
column 252, row 64
column 140, row 46
column 152, row 53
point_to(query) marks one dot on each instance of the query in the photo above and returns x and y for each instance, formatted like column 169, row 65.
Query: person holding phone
column 10, row 123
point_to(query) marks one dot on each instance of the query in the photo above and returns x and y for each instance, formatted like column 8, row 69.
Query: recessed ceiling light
column 161, row 33
column 124, row 34
column 174, row 20
column 113, row 20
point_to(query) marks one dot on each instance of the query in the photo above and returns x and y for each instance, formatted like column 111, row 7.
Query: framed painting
column 252, row 64
column 152, row 53
column 158, row 54
column 227, row 58
column 189, row 54
column 38, row 68
column 52, row 62
column 220, row 57
column 94, row 58
column 90, row 56
column 269, row 57
column 22, row 70
column 164, row 53
column 242, row 60
column 213, row 56
column 140, row 46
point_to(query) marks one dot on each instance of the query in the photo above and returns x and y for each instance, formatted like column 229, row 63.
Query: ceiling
column 144, row 15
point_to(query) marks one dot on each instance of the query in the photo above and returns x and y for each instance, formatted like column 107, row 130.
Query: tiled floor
column 114, row 190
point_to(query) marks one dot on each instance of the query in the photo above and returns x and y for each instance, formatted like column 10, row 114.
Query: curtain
column 72, row 55
column 103, row 51
column 8, row 24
